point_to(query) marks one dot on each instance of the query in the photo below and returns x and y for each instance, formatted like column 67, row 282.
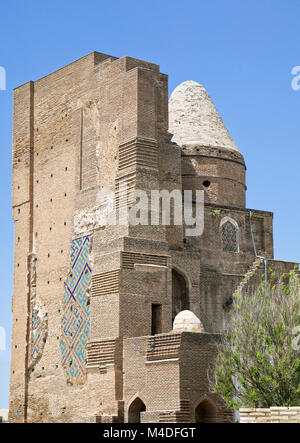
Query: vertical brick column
column 22, row 197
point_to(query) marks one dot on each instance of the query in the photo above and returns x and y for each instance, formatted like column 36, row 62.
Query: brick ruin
column 93, row 306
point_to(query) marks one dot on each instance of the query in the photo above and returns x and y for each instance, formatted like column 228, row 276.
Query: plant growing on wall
column 214, row 212
column 258, row 364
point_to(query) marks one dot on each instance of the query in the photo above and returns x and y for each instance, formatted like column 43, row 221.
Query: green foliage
column 256, row 364
column 215, row 212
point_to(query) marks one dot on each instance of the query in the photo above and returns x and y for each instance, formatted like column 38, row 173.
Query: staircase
column 252, row 271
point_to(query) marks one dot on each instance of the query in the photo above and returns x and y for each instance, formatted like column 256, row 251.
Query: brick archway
column 135, row 409
column 205, row 412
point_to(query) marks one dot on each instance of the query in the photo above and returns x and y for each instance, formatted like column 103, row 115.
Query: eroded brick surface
column 91, row 125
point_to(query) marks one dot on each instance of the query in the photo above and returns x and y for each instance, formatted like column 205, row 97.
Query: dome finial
column 187, row 321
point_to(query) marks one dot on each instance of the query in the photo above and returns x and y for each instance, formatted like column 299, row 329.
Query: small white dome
column 194, row 120
column 187, row 321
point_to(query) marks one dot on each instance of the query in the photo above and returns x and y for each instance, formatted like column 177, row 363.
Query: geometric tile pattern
column 75, row 322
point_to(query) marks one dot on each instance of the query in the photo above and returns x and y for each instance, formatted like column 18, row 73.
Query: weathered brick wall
column 270, row 415
column 68, row 127
column 170, row 374
column 200, row 164
column 93, row 124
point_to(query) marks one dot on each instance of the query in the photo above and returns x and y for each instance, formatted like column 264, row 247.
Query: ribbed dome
column 194, row 120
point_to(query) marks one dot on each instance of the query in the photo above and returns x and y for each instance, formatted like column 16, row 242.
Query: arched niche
column 180, row 293
column 134, row 411
column 205, row 412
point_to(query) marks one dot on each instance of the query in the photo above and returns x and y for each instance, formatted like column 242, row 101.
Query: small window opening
column 156, row 319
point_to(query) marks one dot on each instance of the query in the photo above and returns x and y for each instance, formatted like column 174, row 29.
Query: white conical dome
column 187, row 321
column 194, row 120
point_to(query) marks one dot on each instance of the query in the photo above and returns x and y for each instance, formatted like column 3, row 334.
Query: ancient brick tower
column 93, row 306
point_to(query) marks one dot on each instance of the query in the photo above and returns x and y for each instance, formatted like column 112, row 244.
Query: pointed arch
column 229, row 235
column 180, row 292
column 134, row 410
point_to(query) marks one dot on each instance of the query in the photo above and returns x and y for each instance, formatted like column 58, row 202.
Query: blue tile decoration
column 75, row 322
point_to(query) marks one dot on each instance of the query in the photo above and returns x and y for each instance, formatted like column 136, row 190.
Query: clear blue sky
column 241, row 51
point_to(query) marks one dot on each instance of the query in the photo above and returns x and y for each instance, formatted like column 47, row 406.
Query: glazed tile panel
column 75, row 323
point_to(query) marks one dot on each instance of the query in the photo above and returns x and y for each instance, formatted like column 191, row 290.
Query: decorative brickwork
column 100, row 348
column 106, row 283
column 129, row 259
column 101, row 353
column 138, row 153
column 163, row 346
